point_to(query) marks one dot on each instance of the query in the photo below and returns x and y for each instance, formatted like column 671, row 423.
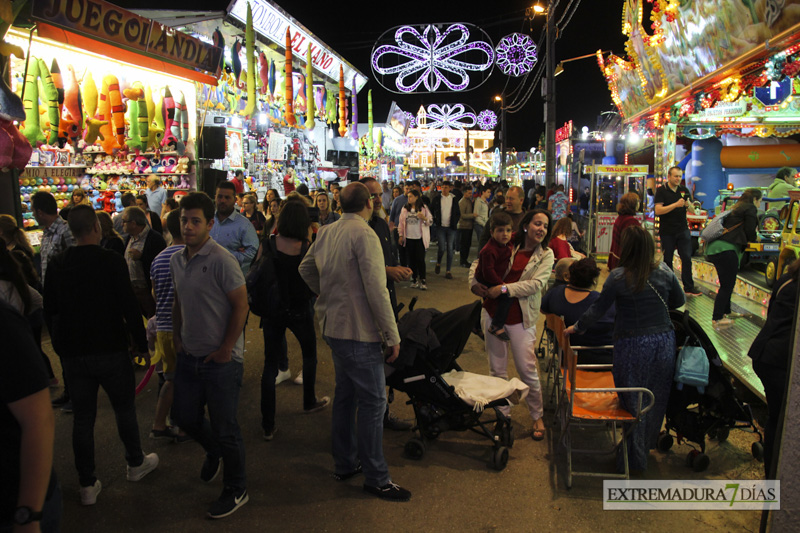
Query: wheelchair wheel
column 415, row 449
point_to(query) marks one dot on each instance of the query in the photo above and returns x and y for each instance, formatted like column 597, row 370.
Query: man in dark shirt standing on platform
column 92, row 341
column 672, row 200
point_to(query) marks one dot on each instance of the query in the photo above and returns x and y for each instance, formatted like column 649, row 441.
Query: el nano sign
column 564, row 132
column 271, row 22
column 106, row 22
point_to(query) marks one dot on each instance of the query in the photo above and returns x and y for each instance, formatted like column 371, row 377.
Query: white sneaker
column 135, row 473
column 89, row 494
column 415, row 285
column 299, row 379
column 282, row 376
column 422, row 286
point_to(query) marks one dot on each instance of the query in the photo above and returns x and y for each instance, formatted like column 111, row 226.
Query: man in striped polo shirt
column 164, row 295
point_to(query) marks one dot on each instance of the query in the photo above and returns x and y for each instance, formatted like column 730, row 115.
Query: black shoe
column 67, row 407
column 61, row 400
column 392, row 422
column 465, row 265
column 211, row 469
column 345, row 477
column 437, row 268
column 229, row 501
column 390, row 491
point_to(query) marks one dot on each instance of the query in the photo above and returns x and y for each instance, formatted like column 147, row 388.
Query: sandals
column 538, row 433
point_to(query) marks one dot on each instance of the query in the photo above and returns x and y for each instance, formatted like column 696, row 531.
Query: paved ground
column 453, row 487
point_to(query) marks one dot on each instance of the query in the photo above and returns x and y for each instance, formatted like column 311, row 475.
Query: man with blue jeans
column 671, row 202
column 208, row 317
column 445, row 218
column 345, row 267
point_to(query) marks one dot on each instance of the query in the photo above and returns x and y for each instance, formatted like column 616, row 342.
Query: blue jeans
column 85, row 375
column 302, row 325
column 681, row 241
column 478, row 229
column 360, row 387
column 447, row 238
column 214, row 385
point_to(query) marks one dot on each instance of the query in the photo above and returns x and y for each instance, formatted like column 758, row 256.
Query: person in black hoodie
column 142, row 245
column 771, row 353
column 91, row 337
column 726, row 253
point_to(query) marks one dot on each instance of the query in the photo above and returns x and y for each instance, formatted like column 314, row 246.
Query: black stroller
column 430, row 344
column 692, row 415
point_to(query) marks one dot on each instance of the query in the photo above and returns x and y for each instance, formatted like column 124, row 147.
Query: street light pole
column 502, row 100
column 550, row 98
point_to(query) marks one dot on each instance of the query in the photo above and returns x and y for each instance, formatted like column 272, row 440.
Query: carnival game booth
column 282, row 95
column 607, row 184
column 107, row 106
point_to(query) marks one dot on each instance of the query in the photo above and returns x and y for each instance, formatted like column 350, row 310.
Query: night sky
column 582, row 93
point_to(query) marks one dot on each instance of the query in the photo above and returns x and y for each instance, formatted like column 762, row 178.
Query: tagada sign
column 108, row 23
column 618, row 169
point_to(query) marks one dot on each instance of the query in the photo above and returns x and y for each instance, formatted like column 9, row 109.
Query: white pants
column 523, row 347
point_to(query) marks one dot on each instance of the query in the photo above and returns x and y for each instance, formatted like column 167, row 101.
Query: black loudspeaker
column 213, row 146
column 349, row 159
column 212, row 176
column 332, row 156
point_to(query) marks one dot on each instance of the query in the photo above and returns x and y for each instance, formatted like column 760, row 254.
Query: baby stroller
column 692, row 415
column 430, row 344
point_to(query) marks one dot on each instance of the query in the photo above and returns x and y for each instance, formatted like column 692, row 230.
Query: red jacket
column 622, row 222
column 493, row 263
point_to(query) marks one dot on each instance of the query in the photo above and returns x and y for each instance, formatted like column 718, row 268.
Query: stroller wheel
column 499, row 458
column 701, row 462
column 664, row 442
column 415, row 449
column 758, row 451
column 430, row 433
column 722, row 434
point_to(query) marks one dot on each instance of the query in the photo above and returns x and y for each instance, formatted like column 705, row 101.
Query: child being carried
column 493, row 263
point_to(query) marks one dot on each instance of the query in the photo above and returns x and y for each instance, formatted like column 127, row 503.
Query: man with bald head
column 513, row 206
column 346, row 268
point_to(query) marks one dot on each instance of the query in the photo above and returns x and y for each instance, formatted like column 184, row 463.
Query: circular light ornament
column 515, row 55
column 412, row 120
column 487, row 120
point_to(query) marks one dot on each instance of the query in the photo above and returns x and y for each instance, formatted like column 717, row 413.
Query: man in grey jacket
column 345, row 267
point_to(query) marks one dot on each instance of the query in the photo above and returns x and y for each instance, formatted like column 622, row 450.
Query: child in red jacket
column 493, row 261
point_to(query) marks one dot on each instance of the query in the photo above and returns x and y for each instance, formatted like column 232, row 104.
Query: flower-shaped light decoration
column 516, row 54
column 453, row 117
column 412, row 120
column 487, row 120
column 431, row 58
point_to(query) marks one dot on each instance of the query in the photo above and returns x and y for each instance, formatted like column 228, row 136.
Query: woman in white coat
column 529, row 269
column 414, row 230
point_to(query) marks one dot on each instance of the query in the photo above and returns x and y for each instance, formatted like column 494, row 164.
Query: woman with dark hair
column 726, row 253
column 322, row 202
column 111, row 239
column 153, row 219
column 644, row 290
column 626, row 211
column 771, row 353
column 296, row 313
column 572, row 300
column 531, row 264
column 559, row 243
column 414, row 230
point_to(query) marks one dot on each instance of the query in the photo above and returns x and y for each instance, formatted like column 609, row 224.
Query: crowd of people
column 336, row 257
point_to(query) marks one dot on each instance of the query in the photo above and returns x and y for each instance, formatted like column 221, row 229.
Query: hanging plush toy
column 236, row 61
column 263, row 72
column 142, row 119
column 93, row 132
column 219, row 41
column 171, row 141
column 330, row 107
column 89, row 93
column 133, row 141
column 342, row 104
column 183, row 118
column 354, row 104
column 250, row 38
column 33, row 130
column 288, row 109
column 58, row 81
column 310, row 110
column 157, row 128
column 369, row 120
column 70, row 126
column 50, row 94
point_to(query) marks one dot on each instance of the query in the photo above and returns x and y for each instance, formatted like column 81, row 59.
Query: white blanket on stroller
column 479, row 390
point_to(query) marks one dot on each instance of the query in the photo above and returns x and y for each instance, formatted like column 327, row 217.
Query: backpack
column 692, row 366
column 715, row 229
column 264, row 291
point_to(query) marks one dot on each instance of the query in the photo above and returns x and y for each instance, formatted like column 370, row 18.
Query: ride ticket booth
column 607, row 184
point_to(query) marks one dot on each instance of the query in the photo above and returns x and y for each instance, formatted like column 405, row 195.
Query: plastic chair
column 591, row 399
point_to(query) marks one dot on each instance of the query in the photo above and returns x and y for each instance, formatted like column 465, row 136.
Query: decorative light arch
column 516, row 54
